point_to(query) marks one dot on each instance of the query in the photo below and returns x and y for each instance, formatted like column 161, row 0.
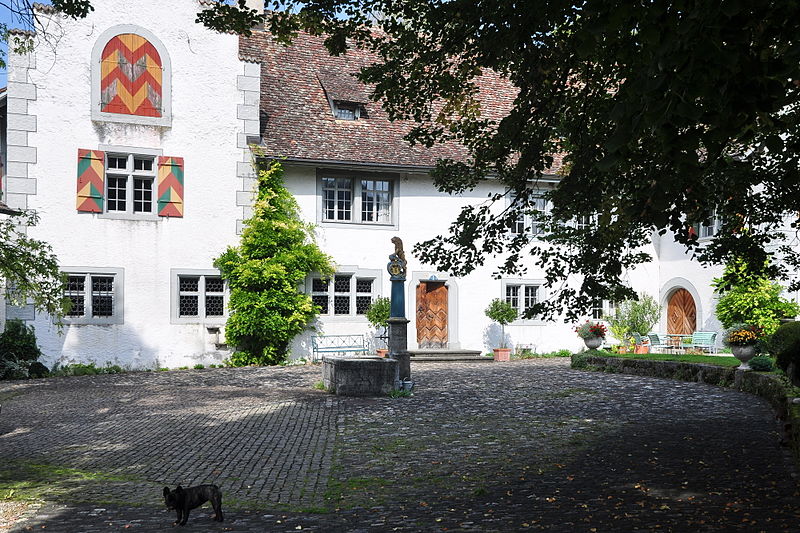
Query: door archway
column 681, row 313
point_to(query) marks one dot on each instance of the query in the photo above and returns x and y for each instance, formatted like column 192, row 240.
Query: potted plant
column 592, row 333
column 503, row 313
column 742, row 339
column 378, row 315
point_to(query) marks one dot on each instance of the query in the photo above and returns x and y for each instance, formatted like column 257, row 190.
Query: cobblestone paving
column 519, row 446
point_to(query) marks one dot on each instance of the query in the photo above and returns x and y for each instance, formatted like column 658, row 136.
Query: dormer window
column 348, row 110
column 346, row 95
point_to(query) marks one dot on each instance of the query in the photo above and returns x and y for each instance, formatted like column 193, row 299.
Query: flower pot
column 642, row 348
column 744, row 354
column 593, row 343
column 502, row 354
column 382, row 352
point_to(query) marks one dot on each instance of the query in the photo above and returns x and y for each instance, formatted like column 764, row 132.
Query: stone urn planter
column 593, row 343
column 502, row 354
column 744, row 354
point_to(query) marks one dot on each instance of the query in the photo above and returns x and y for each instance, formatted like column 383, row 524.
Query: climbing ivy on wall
column 265, row 272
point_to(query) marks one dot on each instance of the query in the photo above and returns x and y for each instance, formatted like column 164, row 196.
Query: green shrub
column 379, row 311
column 751, row 300
column 784, row 344
column 18, row 350
column 503, row 313
column 198, row 366
column 762, row 363
column 276, row 254
column 634, row 316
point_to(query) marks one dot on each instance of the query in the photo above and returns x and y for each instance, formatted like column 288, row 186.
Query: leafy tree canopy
column 666, row 112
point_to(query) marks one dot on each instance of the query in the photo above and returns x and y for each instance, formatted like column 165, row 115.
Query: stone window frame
column 356, row 211
column 356, row 273
column 541, row 295
column 526, row 220
column 166, row 79
column 117, row 316
column 174, row 305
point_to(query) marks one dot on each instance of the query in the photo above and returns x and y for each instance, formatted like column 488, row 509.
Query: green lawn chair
column 705, row 340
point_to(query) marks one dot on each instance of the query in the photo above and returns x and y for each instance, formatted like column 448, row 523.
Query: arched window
column 130, row 77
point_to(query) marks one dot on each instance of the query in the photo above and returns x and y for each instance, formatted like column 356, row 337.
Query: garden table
column 678, row 340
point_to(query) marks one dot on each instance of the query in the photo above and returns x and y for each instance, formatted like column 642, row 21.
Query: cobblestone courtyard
column 519, row 446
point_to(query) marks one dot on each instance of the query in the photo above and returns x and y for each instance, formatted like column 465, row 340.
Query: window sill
column 344, row 224
column 129, row 216
column 119, row 118
column 91, row 322
column 207, row 322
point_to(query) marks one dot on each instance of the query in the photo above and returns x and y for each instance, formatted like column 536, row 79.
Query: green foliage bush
column 503, row 313
column 784, row 344
column 762, row 363
column 751, row 299
column 276, row 254
column 18, row 350
column 634, row 316
column 379, row 311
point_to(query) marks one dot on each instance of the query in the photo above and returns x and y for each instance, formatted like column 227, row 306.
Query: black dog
column 184, row 500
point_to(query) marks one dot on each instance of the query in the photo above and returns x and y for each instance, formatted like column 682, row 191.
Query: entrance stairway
column 445, row 355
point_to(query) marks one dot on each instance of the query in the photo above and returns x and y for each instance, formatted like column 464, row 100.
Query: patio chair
column 705, row 340
column 657, row 342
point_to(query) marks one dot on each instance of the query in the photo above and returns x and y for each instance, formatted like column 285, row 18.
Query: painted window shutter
column 170, row 186
column 91, row 180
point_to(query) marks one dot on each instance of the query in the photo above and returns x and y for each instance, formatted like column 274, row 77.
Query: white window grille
column 363, row 201
column 130, row 180
column 343, row 294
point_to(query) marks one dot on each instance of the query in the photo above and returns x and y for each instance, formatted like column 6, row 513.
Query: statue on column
column 397, row 261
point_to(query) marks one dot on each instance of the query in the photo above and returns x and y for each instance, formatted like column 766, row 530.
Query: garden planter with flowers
column 592, row 333
column 742, row 340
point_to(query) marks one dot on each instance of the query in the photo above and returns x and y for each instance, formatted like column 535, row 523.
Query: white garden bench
column 337, row 344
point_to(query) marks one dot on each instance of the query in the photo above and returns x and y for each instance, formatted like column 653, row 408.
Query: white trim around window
column 96, row 294
column 197, row 296
column 358, row 199
column 523, row 293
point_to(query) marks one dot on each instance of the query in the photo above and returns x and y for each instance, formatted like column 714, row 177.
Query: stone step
column 429, row 355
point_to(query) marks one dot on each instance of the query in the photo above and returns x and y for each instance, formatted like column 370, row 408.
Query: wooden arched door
column 681, row 313
column 432, row 314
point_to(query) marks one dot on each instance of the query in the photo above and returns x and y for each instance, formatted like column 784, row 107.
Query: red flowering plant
column 591, row 330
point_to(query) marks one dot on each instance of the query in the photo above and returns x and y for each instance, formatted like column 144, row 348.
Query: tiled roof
column 297, row 121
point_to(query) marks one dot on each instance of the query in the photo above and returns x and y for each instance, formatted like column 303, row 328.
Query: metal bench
column 337, row 344
column 704, row 340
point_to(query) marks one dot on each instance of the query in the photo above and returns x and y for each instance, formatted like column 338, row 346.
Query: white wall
column 204, row 131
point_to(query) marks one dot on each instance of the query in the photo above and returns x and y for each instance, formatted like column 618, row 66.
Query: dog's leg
column 178, row 519
column 216, row 503
column 185, row 516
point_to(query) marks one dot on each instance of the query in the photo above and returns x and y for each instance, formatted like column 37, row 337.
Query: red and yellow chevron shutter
column 170, row 186
column 130, row 77
column 91, row 180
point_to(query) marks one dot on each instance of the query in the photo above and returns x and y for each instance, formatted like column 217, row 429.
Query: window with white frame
column 710, row 227
column 199, row 296
column 601, row 309
column 361, row 200
column 344, row 110
column 522, row 296
column 130, row 183
column 95, row 297
column 585, row 221
column 343, row 293
column 527, row 219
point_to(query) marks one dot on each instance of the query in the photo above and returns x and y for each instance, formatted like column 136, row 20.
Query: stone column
column 398, row 323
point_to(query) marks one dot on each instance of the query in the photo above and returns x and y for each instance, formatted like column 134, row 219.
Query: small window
column 602, row 309
column 348, row 110
column 343, row 294
column 522, row 296
column 95, row 297
column 528, row 220
column 362, row 201
column 130, row 176
column 198, row 297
